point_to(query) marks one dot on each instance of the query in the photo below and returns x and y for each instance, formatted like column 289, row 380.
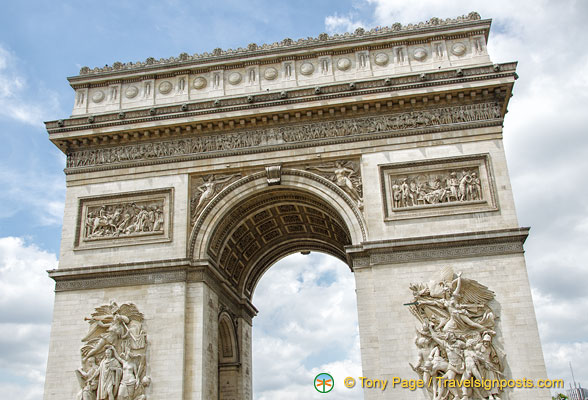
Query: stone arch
column 228, row 349
column 250, row 225
column 229, row 365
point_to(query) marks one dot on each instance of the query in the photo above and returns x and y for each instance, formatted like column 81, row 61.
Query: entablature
column 363, row 98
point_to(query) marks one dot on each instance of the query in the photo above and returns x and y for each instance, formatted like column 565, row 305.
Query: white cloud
column 26, row 301
column 307, row 324
column 18, row 100
column 342, row 23
column 32, row 191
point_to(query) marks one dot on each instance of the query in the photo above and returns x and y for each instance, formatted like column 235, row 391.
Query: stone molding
column 439, row 247
column 290, row 97
column 289, row 44
column 286, row 137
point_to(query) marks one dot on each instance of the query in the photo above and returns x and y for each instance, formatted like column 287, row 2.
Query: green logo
column 324, row 383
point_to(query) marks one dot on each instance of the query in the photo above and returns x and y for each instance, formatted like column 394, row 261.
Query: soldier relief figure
column 124, row 219
column 113, row 355
column 436, row 188
column 456, row 340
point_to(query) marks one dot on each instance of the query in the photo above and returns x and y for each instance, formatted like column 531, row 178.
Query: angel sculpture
column 206, row 191
column 111, row 325
column 456, row 338
column 345, row 176
column 114, row 355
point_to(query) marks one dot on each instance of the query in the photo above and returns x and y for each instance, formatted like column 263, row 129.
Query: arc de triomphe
column 188, row 177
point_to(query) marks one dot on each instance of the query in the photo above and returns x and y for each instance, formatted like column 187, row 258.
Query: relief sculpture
column 124, row 219
column 457, row 340
column 204, row 189
column 346, row 175
column 284, row 135
column 436, row 188
column 114, row 355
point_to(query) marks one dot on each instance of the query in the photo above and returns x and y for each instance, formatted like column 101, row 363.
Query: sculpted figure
column 116, row 339
column 110, row 373
column 207, row 190
column 490, row 363
column 345, row 177
column 129, row 382
column 457, row 330
column 88, row 380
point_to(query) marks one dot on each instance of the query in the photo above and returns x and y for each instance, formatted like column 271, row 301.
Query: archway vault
column 250, row 225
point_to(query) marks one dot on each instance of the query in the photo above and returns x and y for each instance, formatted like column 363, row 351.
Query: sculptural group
column 456, row 340
column 113, row 355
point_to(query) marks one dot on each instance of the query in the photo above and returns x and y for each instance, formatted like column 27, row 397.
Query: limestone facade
column 188, row 178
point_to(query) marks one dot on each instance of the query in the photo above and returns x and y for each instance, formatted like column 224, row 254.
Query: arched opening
column 228, row 358
column 307, row 324
column 246, row 229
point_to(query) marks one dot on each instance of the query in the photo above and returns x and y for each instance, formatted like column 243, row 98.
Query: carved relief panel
column 438, row 187
column 459, row 340
column 124, row 219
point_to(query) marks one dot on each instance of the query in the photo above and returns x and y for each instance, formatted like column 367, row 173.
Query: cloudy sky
column 546, row 140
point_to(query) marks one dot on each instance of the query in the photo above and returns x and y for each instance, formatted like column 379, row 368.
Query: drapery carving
column 457, row 340
column 114, row 355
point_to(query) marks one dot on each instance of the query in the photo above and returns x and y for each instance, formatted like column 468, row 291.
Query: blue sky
column 43, row 42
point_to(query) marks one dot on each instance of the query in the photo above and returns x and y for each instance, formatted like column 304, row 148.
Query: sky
column 545, row 135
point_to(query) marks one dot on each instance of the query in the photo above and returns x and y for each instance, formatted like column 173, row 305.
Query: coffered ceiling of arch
column 276, row 222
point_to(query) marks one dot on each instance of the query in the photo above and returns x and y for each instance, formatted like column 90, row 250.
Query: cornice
column 438, row 247
column 322, row 43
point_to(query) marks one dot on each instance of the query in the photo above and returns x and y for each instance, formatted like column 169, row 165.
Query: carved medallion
column 199, row 83
column 457, row 339
column 165, row 87
column 235, row 78
column 270, row 74
column 306, row 68
column 98, row 96
column 343, row 64
column 419, row 54
column 114, row 354
column 131, row 92
column 381, row 59
column 458, row 49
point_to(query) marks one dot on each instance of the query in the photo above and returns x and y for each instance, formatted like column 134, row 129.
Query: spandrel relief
column 114, row 364
column 204, row 188
column 457, row 340
column 345, row 174
column 124, row 218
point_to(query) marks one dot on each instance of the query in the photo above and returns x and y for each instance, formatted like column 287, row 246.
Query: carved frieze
column 438, row 187
column 124, row 219
column 285, row 135
column 114, row 355
column 457, row 340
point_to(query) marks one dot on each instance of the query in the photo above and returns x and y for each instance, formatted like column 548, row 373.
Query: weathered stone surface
column 383, row 149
